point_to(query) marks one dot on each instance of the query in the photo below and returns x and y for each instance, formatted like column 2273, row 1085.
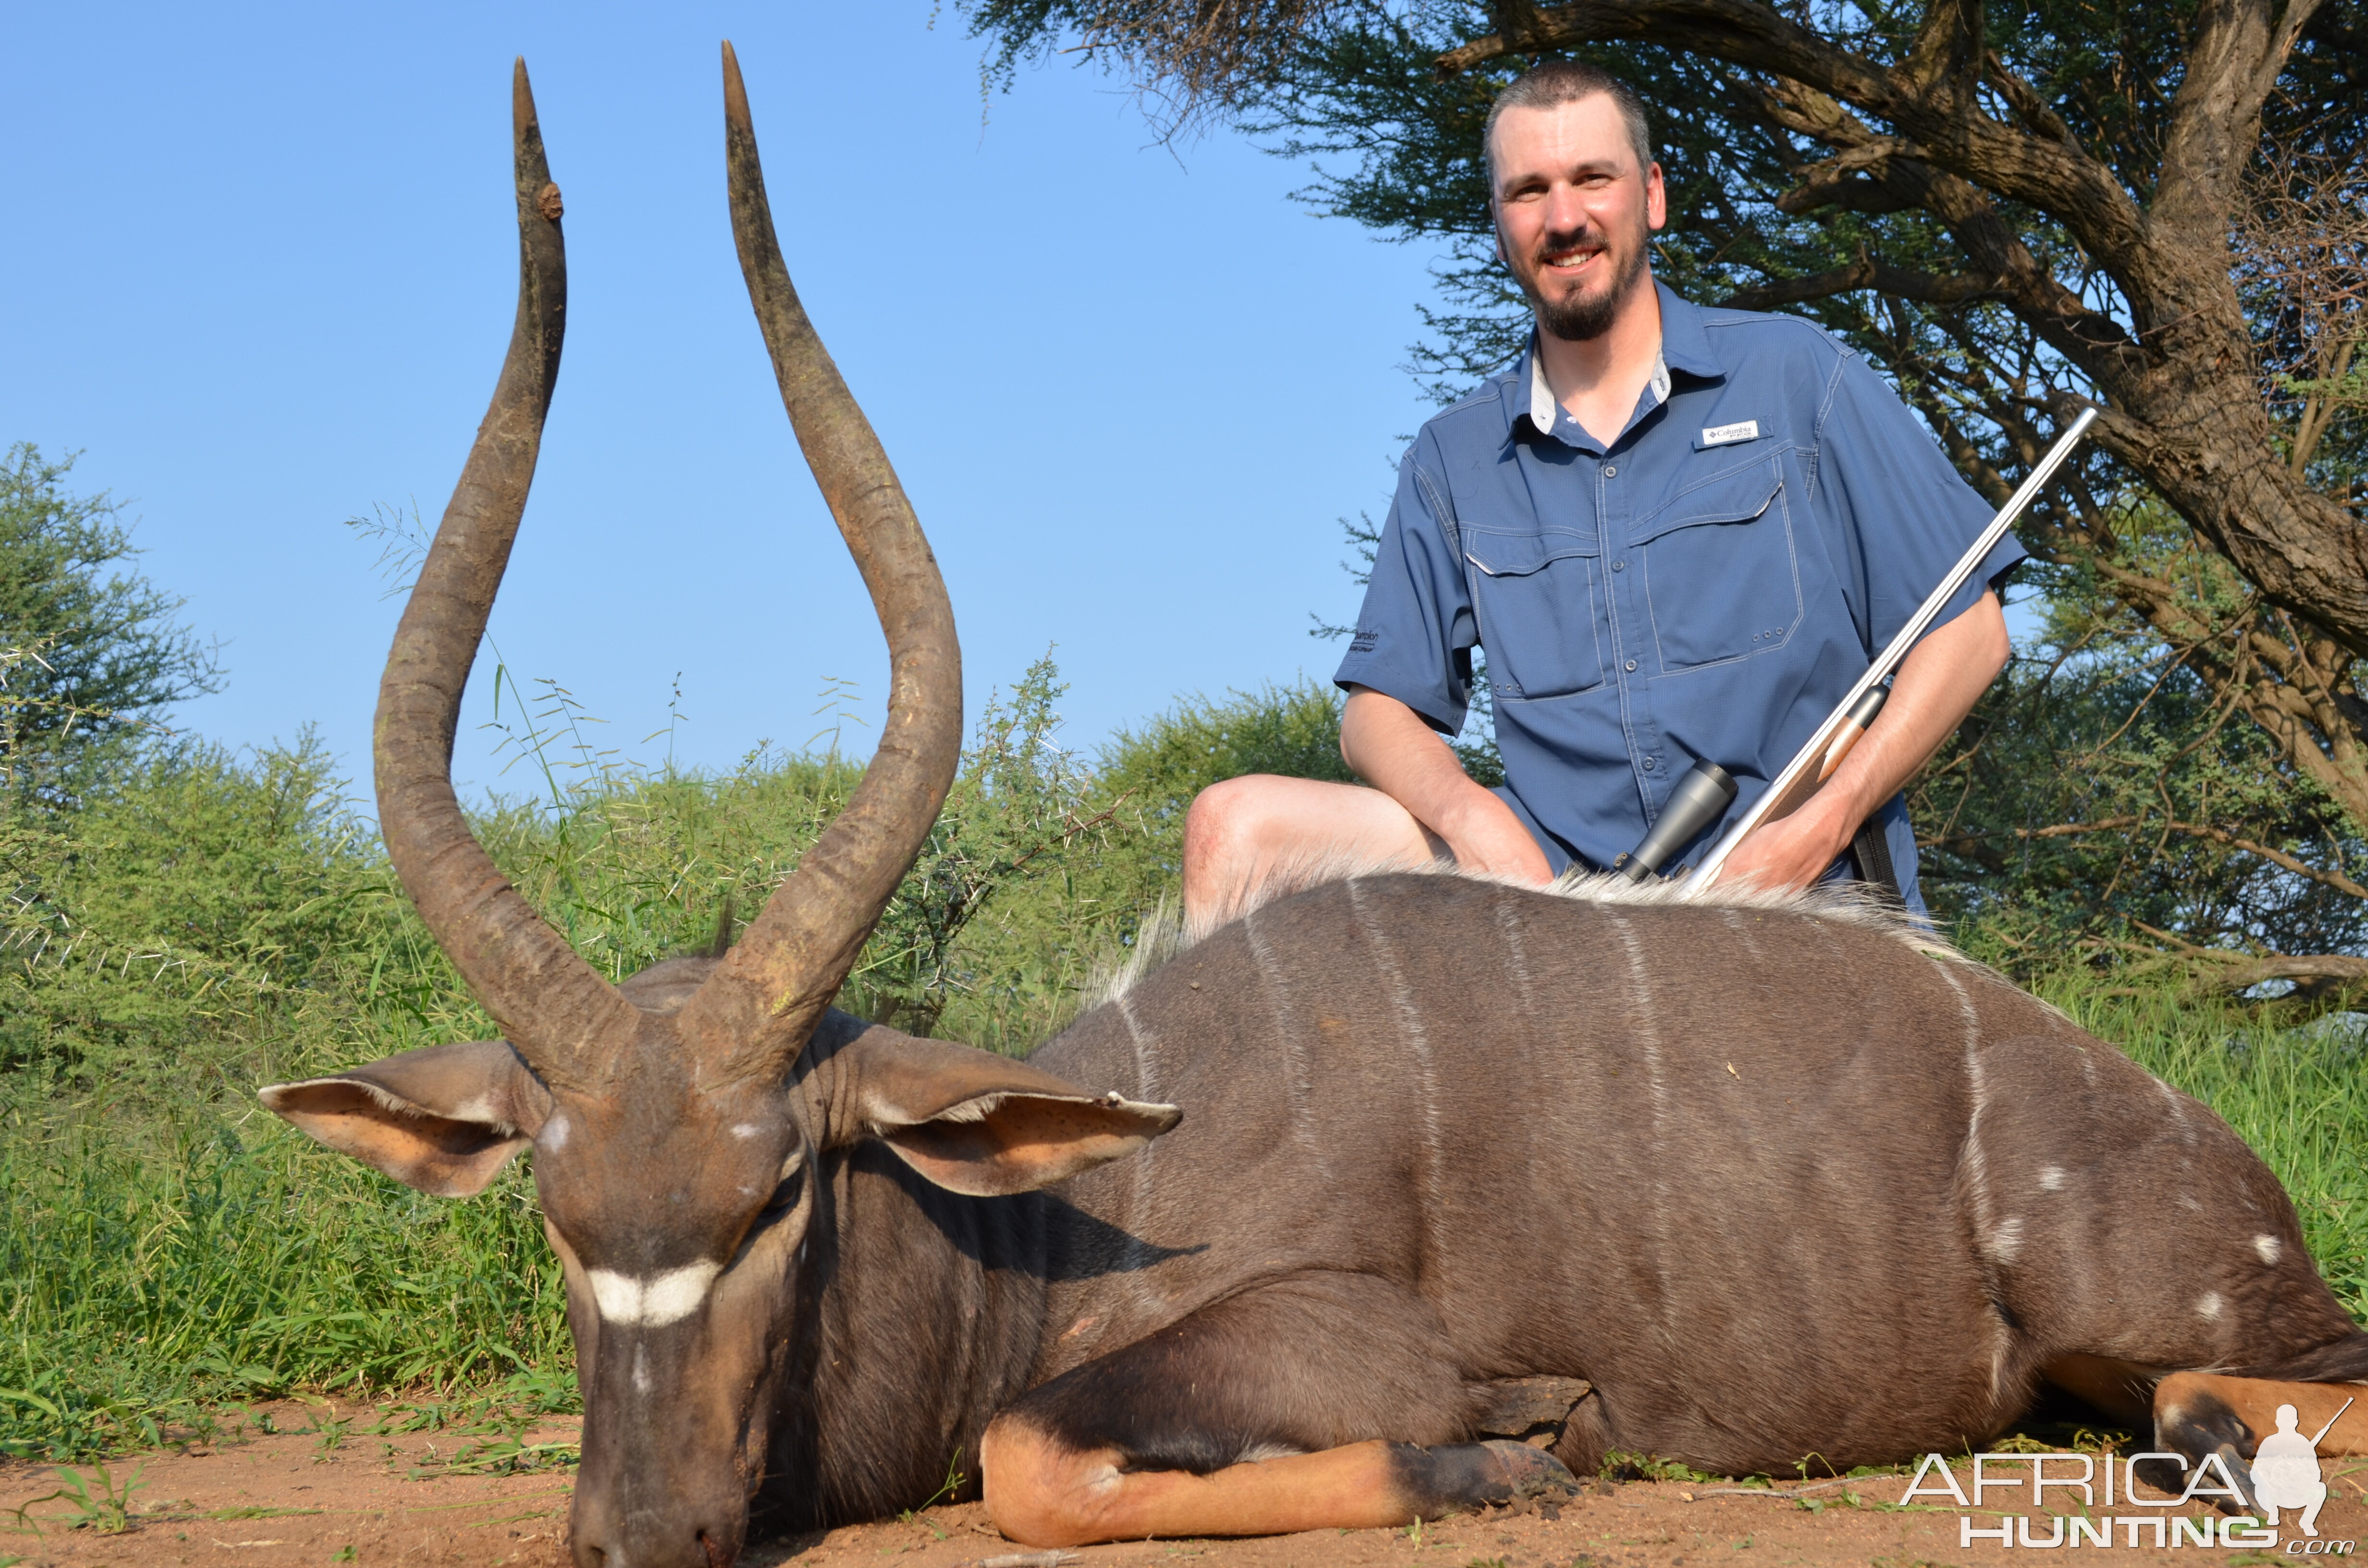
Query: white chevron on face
column 655, row 1302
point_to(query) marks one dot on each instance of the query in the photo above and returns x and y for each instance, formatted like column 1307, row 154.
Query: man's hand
column 1794, row 852
column 1935, row 688
column 1395, row 752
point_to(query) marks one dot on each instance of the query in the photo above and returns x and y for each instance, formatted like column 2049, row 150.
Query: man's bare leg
column 1244, row 830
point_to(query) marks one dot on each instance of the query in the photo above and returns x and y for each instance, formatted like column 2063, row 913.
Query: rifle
column 1706, row 789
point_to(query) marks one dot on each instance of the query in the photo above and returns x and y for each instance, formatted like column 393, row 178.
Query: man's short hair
column 1559, row 82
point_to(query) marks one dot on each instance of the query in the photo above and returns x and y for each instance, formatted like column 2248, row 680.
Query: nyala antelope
column 1455, row 1161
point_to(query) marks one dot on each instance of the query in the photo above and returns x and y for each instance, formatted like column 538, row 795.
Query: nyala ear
column 982, row 1124
column 444, row 1118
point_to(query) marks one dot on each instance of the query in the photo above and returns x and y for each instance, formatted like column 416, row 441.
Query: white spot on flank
column 2267, row 1245
column 746, row 1130
column 555, row 1133
column 653, row 1302
column 2051, row 1179
column 640, row 1371
column 2209, row 1307
column 2005, row 1241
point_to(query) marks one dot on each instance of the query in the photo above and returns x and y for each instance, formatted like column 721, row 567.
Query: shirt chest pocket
column 1535, row 593
column 1721, row 578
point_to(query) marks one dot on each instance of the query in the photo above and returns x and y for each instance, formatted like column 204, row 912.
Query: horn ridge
column 550, row 1004
column 757, row 1009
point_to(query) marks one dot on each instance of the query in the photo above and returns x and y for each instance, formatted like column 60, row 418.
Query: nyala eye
column 786, row 1191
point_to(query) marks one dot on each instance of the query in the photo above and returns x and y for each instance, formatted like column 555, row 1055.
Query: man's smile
column 1574, row 259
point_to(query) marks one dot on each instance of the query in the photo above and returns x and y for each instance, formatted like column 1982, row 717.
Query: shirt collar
column 1684, row 346
column 1544, row 410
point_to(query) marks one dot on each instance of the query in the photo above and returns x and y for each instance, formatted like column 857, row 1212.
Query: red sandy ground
column 288, row 1499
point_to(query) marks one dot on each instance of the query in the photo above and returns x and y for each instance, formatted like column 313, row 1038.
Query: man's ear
column 982, row 1124
column 444, row 1118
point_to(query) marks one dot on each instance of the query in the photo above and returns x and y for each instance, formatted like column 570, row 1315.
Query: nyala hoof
column 1454, row 1477
column 2163, row 1475
column 2241, row 1475
column 1528, row 1473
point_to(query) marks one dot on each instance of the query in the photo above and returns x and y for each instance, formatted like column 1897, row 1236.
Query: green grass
column 168, row 1252
column 145, row 1284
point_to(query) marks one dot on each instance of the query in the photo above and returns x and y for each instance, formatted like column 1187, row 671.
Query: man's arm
column 1391, row 748
column 1930, row 696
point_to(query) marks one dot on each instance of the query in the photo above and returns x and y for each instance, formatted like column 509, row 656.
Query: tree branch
column 2234, row 971
column 1926, row 288
column 1965, row 842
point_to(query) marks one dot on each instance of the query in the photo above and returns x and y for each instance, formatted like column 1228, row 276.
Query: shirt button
column 1610, row 471
column 1632, row 663
column 1620, row 567
column 1648, row 765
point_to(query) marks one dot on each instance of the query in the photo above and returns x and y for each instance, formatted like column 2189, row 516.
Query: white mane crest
column 1165, row 933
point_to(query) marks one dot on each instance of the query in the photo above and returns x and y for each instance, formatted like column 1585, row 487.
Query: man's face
column 1573, row 210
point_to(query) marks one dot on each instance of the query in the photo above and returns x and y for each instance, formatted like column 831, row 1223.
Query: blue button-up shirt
column 1707, row 585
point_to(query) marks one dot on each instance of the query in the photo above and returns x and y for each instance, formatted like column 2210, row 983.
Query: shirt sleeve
column 1416, row 630
column 1903, row 513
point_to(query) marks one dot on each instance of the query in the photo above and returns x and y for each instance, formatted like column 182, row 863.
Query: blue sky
column 262, row 278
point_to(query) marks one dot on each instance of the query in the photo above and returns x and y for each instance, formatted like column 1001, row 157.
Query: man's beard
column 1585, row 316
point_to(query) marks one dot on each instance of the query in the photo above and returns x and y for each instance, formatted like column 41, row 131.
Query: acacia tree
column 2012, row 208
column 89, row 652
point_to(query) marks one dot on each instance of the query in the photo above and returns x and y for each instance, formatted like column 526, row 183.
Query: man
column 1678, row 533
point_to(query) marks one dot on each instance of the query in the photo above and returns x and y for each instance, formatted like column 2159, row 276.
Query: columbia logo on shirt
column 1723, row 434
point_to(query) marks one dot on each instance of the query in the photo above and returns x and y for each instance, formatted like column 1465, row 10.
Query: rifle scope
column 1695, row 801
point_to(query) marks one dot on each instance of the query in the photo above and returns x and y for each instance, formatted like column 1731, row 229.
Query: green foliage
column 158, row 1263
column 1293, row 730
column 94, row 652
column 1024, row 817
column 96, row 1502
column 194, row 897
column 2102, row 800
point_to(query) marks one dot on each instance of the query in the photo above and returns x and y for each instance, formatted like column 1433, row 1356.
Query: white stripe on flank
column 1736, row 922
column 1402, row 1000
column 1140, row 1252
column 655, row 1301
column 1546, row 1062
column 1975, row 1165
column 1640, row 1011
column 1297, row 1088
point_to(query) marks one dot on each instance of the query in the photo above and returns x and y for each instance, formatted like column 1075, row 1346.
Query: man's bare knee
column 1225, row 817
column 1233, row 827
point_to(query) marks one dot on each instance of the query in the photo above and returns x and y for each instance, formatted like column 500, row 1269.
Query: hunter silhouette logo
column 2286, row 1470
